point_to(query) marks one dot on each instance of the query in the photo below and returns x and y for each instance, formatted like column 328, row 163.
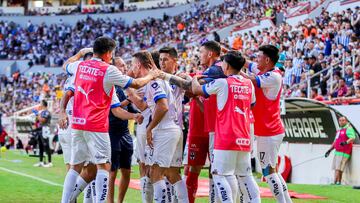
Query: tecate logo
column 79, row 121
column 243, row 141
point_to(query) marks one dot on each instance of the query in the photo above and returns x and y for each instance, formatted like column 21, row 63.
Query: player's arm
column 141, row 82
column 137, row 100
column 199, row 103
column 63, row 120
column 350, row 133
column 125, row 115
column 77, row 57
column 178, row 81
column 160, row 110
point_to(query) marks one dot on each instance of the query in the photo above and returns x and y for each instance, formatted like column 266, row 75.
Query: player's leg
column 115, row 165
column 100, row 150
column 146, row 188
column 213, row 194
column 223, row 169
column 79, row 153
column 247, row 184
column 267, row 151
column 125, row 169
column 174, row 173
column 87, row 174
column 198, row 148
column 65, row 142
column 157, row 180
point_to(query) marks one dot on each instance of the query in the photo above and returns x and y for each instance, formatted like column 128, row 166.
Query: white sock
column 87, row 194
column 147, row 191
column 276, row 187
column 101, row 185
column 232, row 181
column 223, row 189
column 93, row 191
column 69, row 184
column 285, row 189
column 213, row 195
column 159, row 191
column 240, row 195
column 250, row 189
column 79, row 187
column 181, row 191
column 168, row 190
column 174, row 198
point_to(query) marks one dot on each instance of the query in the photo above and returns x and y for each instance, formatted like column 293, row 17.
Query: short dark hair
column 212, row 46
column 144, row 58
column 234, row 59
column 103, row 45
column 315, row 90
column 271, row 51
column 155, row 56
column 169, row 50
column 44, row 103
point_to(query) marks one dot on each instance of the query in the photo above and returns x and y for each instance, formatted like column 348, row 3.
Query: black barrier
column 24, row 126
column 316, row 127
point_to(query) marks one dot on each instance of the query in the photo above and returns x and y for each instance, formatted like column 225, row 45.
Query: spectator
column 315, row 95
column 342, row 144
column 341, row 89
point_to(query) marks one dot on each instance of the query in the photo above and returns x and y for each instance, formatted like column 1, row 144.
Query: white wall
column 318, row 171
column 13, row 10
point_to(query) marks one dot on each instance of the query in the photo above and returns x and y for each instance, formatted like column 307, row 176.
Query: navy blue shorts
column 121, row 159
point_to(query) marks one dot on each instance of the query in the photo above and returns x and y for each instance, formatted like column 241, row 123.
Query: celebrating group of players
column 229, row 109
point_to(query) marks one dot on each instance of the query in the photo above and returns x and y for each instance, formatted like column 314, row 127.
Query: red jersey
column 196, row 120
column 91, row 103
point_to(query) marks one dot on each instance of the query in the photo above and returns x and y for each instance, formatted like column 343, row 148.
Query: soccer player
column 163, row 134
column 94, row 81
column 268, row 127
column 121, row 140
column 197, row 150
column 231, row 159
column 168, row 64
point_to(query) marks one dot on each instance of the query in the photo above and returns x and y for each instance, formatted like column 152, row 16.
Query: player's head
column 155, row 56
column 120, row 64
column 232, row 63
column 88, row 56
column 168, row 59
column 104, row 48
column 342, row 121
column 268, row 57
column 209, row 52
column 141, row 63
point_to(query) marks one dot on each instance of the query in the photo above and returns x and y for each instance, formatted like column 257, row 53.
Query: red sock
column 192, row 185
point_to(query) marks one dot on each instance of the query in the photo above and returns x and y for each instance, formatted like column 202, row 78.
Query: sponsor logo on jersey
column 155, row 85
column 91, row 70
column 79, row 121
column 242, row 142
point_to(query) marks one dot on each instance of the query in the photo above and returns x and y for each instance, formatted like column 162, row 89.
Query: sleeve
column 69, row 84
column 253, row 68
column 115, row 77
column 115, row 102
column 157, row 90
column 268, row 79
column 71, row 68
column 213, row 87
column 350, row 132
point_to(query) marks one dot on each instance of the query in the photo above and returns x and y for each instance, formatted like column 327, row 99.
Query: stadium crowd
column 328, row 44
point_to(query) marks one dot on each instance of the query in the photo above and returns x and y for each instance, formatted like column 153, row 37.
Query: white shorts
column 90, row 146
column 229, row 162
column 268, row 149
column 65, row 142
column 140, row 146
column 167, row 148
column 253, row 147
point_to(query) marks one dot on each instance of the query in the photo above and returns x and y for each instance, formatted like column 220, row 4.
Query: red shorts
column 198, row 150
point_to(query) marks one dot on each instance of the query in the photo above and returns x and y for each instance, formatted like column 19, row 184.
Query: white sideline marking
column 30, row 176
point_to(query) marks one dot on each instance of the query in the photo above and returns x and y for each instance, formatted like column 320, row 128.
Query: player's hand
column 343, row 143
column 84, row 51
column 139, row 118
column 183, row 76
column 155, row 73
column 63, row 121
column 327, row 153
column 149, row 138
column 162, row 75
column 197, row 77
